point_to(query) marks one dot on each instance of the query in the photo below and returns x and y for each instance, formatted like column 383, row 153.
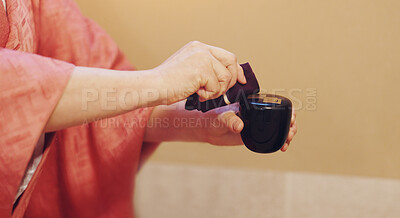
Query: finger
column 229, row 60
column 294, row 127
column 232, row 121
column 290, row 136
column 293, row 116
column 205, row 94
column 208, row 92
column 209, row 87
column 233, row 80
column 202, row 94
column 224, row 76
column 285, row 147
column 241, row 77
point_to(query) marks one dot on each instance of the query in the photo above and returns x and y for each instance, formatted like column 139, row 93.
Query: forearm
column 93, row 94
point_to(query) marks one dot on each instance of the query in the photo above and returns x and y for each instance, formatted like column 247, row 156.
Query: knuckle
column 226, row 77
column 234, row 76
column 232, row 58
column 233, row 118
column 195, row 43
column 206, row 96
column 201, row 54
column 216, row 92
column 227, row 116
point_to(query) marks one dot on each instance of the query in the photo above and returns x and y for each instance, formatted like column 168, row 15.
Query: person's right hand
column 199, row 68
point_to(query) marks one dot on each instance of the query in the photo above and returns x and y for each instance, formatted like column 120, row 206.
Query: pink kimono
column 85, row 171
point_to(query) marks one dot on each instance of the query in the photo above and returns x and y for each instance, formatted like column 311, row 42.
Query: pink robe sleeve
column 30, row 87
column 86, row 171
column 67, row 35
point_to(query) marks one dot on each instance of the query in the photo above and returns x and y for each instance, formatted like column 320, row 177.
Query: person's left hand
column 225, row 127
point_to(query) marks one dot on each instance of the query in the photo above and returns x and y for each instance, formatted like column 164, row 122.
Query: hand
column 292, row 132
column 199, row 68
column 226, row 127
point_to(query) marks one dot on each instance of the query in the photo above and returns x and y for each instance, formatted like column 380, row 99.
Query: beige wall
column 348, row 51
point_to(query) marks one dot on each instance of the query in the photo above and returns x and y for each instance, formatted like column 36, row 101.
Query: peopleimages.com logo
column 303, row 99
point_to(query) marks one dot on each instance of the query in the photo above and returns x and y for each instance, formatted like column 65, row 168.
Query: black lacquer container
column 266, row 120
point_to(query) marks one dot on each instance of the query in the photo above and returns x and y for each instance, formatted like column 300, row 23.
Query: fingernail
column 235, row 126
column 239, row 126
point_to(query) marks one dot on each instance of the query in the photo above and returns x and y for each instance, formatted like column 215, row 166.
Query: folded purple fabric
column 234, row 94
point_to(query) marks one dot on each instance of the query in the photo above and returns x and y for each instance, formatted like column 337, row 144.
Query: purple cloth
column 234, row 94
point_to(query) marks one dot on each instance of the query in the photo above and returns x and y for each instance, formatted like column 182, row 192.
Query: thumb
column 232, row 121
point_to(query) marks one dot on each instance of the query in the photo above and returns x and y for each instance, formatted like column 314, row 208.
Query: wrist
column 201, row 132
column 160, row 86
column 152, row 91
